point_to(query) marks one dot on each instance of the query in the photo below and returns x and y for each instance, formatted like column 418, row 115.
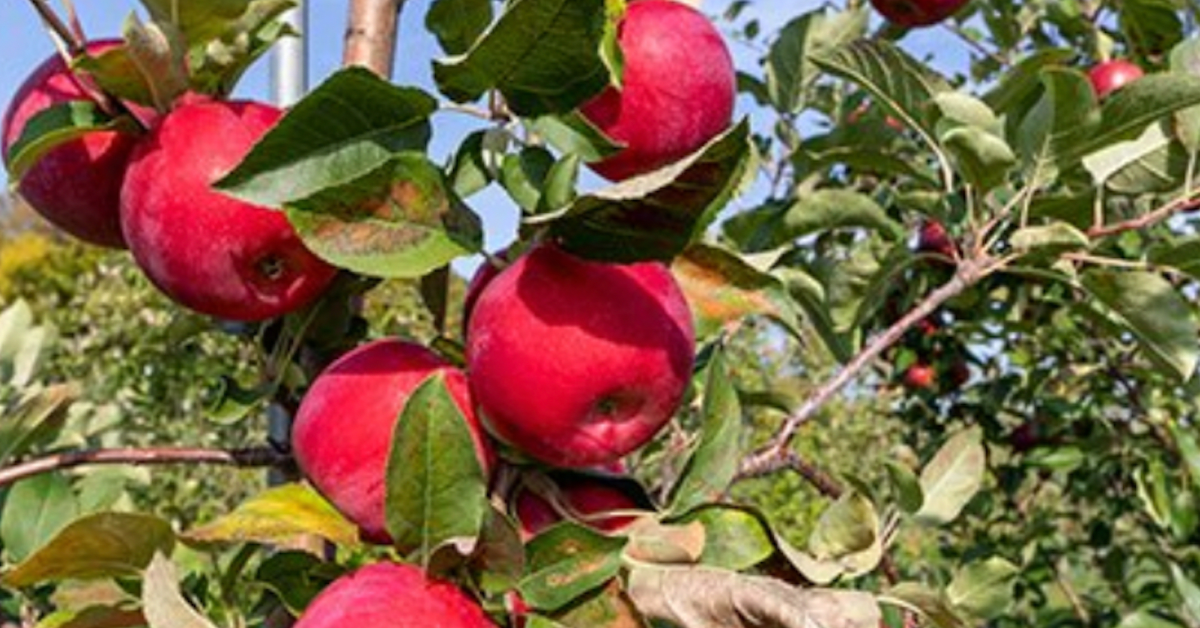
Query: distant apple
column 916, row 13
column 934, row 238
column 205, row 250
column 577, row 363
column 77, row 184
column 920, row 377
column 677, row 92
column 1110, row 76
column 392, row 595
column 342, row 435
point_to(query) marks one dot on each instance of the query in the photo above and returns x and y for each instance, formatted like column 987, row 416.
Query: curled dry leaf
column 701, row 597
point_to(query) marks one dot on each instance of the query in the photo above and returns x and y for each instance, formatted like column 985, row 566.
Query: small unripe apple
column 934, row 238
column 920, row 377
column 587, row 499
column 342, row 435
column 1110, row 76
column 207, row 251
column 77, row 184
column 915, row 13
column 392, row 595
column 677, row 90
column 577, row 363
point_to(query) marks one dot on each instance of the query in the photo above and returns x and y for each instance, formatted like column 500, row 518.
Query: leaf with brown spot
column 565, row 562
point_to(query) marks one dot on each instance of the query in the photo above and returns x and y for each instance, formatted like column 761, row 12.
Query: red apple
column 484, row 275
column 915, row 13
column 959, row 373
column 392, row 595
column 343, row 431
column 677, row 92
column 205, row 250
column 920, row 377
column 934, row 238
column 577, row 363
column 77, row 184
column 1112, row 75
column 586, row 499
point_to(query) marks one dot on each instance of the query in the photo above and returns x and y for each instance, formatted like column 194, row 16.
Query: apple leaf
column 400, row 220
column 277, row 516
column 500, row 555
column 907, row 487
column 573, row 134
column 349, row 127
column 158, row 52
column 734, row 538
column 1146, row 619
column 101, row 545
column 790, row 71
column 953, row 477
column 295, row 577
column 983, row 589
column 656, row 215
column 1129, row 110
column 56, row 125
column 115, row 72
column 722, row 288
column 1182, row 254
column 607, row 607
column 823, row 210
column 1067, row 104
column 565, row 562
column 436, row 489
column 929, row 603
column 1052, row 237
column 197, row 20
column 1156, row 314
column 712, row 466
column 1188, row 590
column 542, row 55
column 35, row 420
column 218, row 60
column 1185, row 59
column 162, row 602
column 703, row 596
column 34, row 511
column 1021, row 84
column 458, row 23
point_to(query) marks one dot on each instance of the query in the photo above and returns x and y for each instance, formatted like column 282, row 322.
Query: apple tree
column 991, row 264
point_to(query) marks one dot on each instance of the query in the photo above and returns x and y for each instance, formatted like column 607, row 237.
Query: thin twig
column 60, row 28
column 1182, row 204
column 969, row 272
column 250, row 457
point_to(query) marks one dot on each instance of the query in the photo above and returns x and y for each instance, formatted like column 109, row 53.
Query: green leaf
column 56, row 125
column 217, row 60
column 158, row 52
column 231, row 402
column 1021, row 84
column 523, row 175
column 295, row 577
column 1067, row 105
column 1128, row 111
column 500, row 556
column 34, row 511
column 828, row 209
column 102, row 545
column 848, row 526
column 983, row 589
column 1053, row 237
column 734, row 538
column 607, row 607
column 115, row 72
column 1152, row 309
column 162, row 602
column 1150, row 149
column 656, row 215
column 276, row 516
column 1185, row 59
column 469, row 172
column 907, row 486
column 953, row 477
column 898, row 82
column 722, row 287
column 436, row 489
column 566, row 561
column 933, row 605
column 458, row 23
column 789, row 72
column 199, row 21
column 1145, row 619
column 400, row 220
column 712, row 466
column 572, row 134
column 982, row 158
column 1189, row 449
column 352, row 125
column 542, row 55
column 35, row 420
column 1151, row 26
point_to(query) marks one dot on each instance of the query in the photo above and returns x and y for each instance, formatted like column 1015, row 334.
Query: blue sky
column 24, row 44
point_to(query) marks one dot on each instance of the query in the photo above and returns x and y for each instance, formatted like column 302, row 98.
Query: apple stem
column 371, row 35
column 242, row 458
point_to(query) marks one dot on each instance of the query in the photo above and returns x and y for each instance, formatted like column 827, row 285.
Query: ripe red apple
column 577, row 363
column 392, row 595
column 77, row 184
column 958, row 373
column 484, row 275
column 1112, row 75
column 588, row 499
column 677, row 92
column 205, row 250
column 916, row 13
column 934, row 238
column 920, row 376
column 343, row 431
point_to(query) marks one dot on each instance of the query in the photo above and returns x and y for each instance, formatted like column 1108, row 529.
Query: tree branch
column 968, row 273
column 370, row 39
column 250, row 457
column 1182, row 204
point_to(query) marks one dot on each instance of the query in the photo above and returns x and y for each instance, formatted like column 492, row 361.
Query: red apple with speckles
column 577, row 363
column 207, row 251
column 392, row 595
column 588, row 500
column 342, row 434
column 77, row 184
column 1110, row 76
column 920, row 377
column 916, row 13
column 677, row 91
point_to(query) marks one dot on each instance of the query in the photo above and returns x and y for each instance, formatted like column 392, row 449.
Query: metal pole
column 289, row 61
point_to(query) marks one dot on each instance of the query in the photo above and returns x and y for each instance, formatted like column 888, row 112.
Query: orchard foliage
column 995, row 266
